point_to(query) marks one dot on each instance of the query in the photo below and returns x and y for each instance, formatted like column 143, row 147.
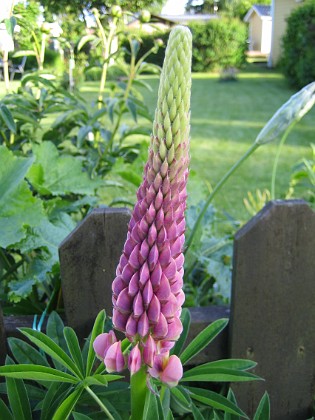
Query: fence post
column 273, row 308
column 88, row 260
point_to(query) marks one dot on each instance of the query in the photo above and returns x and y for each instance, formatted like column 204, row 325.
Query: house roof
column 262, row 10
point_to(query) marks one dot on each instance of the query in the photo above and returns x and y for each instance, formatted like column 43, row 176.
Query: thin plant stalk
column 216, row 189
column 6, row 71
column 139, row 389
column 42, row 52
column 276, row 161
column 106, row 45
column 99, row 402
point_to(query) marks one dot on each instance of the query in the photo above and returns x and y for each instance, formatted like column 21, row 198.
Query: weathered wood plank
column 88, row 261
column 273, row 310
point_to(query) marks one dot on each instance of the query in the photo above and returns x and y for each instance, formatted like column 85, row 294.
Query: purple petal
column 153, row 257
column 161, row 328
column 162, row 235
column 138, row 305
column 147, row 293
column 134, row 360
column 150, row 214
column 131, row 327
column 133, row 287
column 170, row 308
column 118, row 285
column 124, row 302
column 164, row 291
column 164, row 168
column 127, row 273
column 144, row 251
column 134, row 257
column 170, row 270
column 175, row 328
column 156, row 276
column 157, row 182
column 119, row 320
column 143, row 325
column 158, row 200
column 152, row 235
column 159, row 221
column 165, row 255
column 154, row 310
column 149, row 350
column 144, row 275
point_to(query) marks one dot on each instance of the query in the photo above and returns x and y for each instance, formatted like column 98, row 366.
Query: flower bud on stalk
column 147, row 290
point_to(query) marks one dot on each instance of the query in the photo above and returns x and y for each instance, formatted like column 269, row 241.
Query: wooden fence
column 272, row 312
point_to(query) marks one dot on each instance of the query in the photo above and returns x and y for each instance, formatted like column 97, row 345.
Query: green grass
column 226, row 118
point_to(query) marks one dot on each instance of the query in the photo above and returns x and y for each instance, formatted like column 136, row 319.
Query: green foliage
column 219, row 44
column 147, row 42
column 232, row 8
column 208, row 265
column 27, row 17
column 59, row 375
column 302, row 183
column 298, row 45
column 61, row 379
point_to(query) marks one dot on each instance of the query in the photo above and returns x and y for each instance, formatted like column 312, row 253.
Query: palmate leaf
column 36, row 373
column 263, row 409
column 7, row 117
column 52, row 349
column 203, row 339
column 5, row 413
column 98, row 328
column 209, row 374
column 25, row 353
column 18, row 399
column 55, row 395
column 74, row 348
column 214, row 400
column 18, row 207
column 65, row 408
column 59, row 175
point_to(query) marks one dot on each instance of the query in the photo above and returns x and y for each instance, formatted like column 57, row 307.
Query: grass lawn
column 226, row 118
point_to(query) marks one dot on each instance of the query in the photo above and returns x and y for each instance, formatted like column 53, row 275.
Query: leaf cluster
column 60, row 380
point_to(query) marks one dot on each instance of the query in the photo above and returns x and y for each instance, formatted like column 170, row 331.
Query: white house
column 260, row 26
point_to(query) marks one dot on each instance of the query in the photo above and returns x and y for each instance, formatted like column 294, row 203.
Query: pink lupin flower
column 167, row 368
column 102, row 343
column 114, row 359
column 134, row 360
column 147, row 290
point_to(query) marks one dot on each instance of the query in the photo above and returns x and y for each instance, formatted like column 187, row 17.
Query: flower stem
column 139, row 390
column 217, row 188
column 276, row 161
column 99, row 402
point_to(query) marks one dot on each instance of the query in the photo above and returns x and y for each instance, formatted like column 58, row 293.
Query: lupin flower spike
column 147, row 290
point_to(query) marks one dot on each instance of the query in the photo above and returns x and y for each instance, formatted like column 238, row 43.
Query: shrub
column 298, row 46
column 146, row 43
column 219, row 44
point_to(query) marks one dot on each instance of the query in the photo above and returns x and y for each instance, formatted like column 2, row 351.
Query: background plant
column 298, row 52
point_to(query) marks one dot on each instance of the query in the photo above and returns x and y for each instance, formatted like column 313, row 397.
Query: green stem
column 99, row 402
column 276, row 161
column 106, row 52
column 216, row 189
column 139, row 390
column 6, row 71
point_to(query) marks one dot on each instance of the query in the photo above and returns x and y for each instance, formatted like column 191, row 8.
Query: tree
column 232, row 8
column 80, row 6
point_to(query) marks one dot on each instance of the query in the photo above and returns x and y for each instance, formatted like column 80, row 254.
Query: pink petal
column 161, row 328
column 131, row 327
column 170, row 270
column 152, row 235
column 164, row 291
column 102, row 343
column 134, row 360
column 170, row 307
column 138, row 305
column 153, row 257
column 144, row 275
column 147, row 293
column 175, row 328
column 159, row 219
column 144, row 251
column 119, row 320
column 162, row 235
column 124, row 302
column 180, row 298
column 143, row 325
column 149, row 350
column 134, row 257
column 154, row 310
column 158, row 200
column 165, row 255
column 114, row 359
column 173, row 371
column 133, row 285
column 156, row 276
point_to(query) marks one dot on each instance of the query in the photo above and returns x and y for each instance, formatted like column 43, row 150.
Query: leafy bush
column 298, row 46
column 147, row 42
column 219, row 44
